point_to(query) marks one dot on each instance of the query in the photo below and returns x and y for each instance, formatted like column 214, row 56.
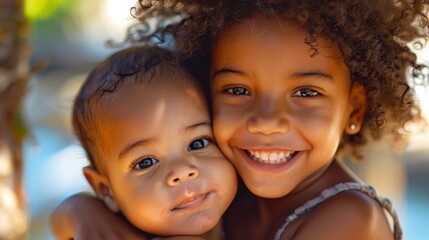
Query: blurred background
column 69, row 37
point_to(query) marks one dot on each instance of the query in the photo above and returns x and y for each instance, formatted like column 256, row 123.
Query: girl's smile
column 278, row 113
column 272, row 162
column 271, row 157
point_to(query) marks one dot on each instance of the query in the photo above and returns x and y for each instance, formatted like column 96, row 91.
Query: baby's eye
column 306, row 92
column 198, row 144
column 237, row 91
column 145, row 163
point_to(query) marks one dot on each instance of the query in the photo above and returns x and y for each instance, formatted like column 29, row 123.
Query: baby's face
column 164, row 171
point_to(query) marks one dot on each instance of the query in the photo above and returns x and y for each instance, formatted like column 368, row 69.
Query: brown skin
column 311, row 126
column 369, row 68
column 158, row 164
column 321, row 223
column 259, row 76
column 65, row 225
column 371, row 35
column 156, row 161
column 237, row 220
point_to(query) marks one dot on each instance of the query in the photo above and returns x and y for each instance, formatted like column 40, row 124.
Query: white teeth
column 271, row 158
column 264, row 156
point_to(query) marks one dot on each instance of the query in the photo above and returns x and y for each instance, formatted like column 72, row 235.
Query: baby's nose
column 181, row 174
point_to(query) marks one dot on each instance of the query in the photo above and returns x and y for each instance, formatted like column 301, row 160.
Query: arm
column 83, row 217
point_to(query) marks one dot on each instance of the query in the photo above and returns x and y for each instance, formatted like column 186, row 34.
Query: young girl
column 295, row 86
column 144, row 124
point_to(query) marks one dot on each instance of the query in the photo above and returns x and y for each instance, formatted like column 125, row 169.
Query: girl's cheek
column 223, row 130
column 220, row 130
column 318, row 123
column 312, row 117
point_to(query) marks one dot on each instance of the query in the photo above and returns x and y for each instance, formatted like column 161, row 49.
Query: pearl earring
column 352, row 126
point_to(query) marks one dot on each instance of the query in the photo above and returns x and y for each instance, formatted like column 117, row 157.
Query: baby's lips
column 192, row 202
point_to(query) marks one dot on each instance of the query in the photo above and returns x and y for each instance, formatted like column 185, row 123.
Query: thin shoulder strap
column 332, row 191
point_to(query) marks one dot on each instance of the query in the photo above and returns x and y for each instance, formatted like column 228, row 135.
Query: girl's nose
column 268, row 118
column 182, row 173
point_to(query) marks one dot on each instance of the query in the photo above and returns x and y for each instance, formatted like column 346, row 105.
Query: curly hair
column 375, row 38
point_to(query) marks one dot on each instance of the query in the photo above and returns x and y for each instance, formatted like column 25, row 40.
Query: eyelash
column 246, row 92
column 313, row 93
column 134, row 163
column 137, row 161
column 208, row 138
column 230, row 91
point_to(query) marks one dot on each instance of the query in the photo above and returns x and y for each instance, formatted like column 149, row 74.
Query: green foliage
column 45, row 9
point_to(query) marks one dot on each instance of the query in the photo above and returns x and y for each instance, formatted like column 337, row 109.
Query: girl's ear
column 101, row 186
column 358, row 103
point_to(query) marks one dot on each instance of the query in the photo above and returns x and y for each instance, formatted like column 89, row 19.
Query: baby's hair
column 124, row 68
column 375, row 38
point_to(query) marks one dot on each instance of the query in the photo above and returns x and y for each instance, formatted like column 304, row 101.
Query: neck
column 275, row 210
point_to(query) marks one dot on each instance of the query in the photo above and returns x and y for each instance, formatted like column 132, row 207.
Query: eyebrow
column 196, row 125
column 313, row 73
column 130, row 147
column 148, row 141
column 226, row 71
column 300, row 74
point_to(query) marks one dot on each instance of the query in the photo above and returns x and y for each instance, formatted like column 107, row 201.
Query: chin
column 265, row 194
column 198, row 228
column 198, row 224
column 266, row 191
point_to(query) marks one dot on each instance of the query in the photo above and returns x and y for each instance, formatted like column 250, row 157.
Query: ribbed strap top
column 332, row 191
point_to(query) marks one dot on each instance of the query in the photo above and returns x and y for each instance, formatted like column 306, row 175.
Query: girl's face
column 279, row 114
column 160, row 165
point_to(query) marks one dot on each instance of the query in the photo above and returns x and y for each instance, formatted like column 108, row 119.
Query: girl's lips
column 192, row 202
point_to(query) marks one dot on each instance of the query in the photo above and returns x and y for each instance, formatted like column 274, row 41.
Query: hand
column 84, row 217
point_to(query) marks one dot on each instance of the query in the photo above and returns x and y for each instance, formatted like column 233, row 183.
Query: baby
column 144, row 124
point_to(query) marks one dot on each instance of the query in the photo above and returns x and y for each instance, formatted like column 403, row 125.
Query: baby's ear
column 358, row 103
column 101, row 186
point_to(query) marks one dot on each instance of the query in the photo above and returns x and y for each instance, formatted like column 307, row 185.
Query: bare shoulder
column 348, row 215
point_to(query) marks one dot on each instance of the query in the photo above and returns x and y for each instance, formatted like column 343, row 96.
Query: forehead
column 170, row 101
column 263, row 42
column 167, row 84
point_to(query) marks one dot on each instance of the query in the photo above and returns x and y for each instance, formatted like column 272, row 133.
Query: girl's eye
column 198, row 144
column 237, row 91
column 145, row 163
column 305, row 93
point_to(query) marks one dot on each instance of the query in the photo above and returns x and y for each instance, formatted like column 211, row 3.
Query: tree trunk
column 14, row 74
